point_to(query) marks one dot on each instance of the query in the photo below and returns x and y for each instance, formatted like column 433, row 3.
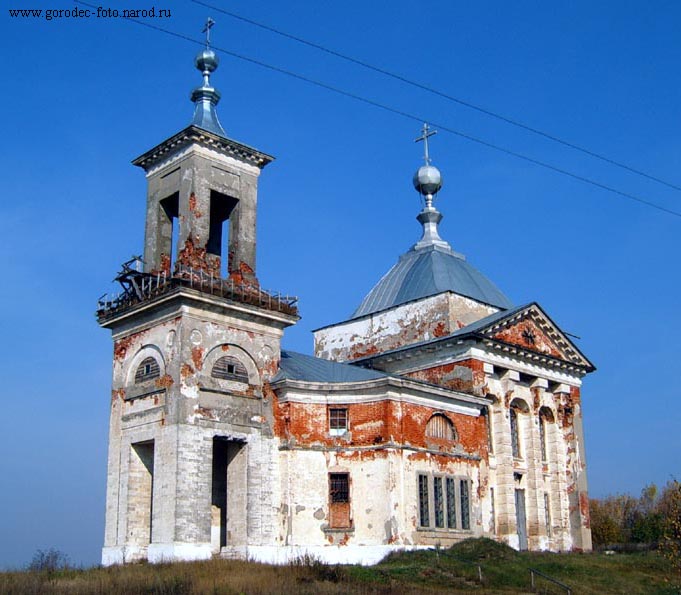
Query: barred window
column 545, row 418
column 515, row 439
column 338, row 421
column 339, row 487
column 547, row 514
column 439, row 426
column 229, row 368
column 147, row 370
column 451, row 503
column 542, row 437
column 449, row 500
column 465, row 505
column 438, row 501
column 424, row 513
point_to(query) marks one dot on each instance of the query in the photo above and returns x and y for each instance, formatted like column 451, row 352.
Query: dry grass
column 505, row 570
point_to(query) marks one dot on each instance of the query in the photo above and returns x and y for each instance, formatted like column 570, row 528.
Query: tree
column 670, row 546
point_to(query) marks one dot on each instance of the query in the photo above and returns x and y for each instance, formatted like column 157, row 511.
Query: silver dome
column 428, row 180
column 206, row 60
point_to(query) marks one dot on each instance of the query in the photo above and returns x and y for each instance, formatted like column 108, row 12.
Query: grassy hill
column 449, row 571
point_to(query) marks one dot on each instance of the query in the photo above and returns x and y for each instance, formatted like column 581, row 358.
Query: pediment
column 531, row 330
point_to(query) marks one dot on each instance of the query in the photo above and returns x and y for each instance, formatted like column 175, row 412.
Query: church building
column 437, row 412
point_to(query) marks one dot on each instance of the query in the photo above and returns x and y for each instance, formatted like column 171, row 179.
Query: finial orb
column 427, row 180
column 206, row 60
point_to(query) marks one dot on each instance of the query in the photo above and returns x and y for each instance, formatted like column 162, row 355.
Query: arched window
column 518, row 407
column 229, row 368
column 147, row 370
column 545, row 418
column 439, row 426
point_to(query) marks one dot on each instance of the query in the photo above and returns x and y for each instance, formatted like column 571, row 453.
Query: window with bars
column 229, row 368
column 465, row 505
column 339, row 487
column 440, row 427
column 545, row 419
column 339, row 501
column 542, row 437
column 444, row 502
column 424, row 512
column 547, row 514
column 515, row 438
column 147, row 370
column 338, row 421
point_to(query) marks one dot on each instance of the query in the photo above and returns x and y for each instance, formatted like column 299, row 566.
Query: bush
column 49, row 561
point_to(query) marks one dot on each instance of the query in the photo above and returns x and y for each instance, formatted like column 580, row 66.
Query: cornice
column 194, row 135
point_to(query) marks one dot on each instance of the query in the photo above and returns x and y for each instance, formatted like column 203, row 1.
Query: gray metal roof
column 426, row 271
column 297, row 366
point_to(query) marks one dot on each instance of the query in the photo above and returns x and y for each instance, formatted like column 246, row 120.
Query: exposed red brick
column 376, row 423
column 518, row 334
column 197, row 357
column 121, row 347
column 164, row 381
column 186, row 371
column 195, row 256
column 117, row 394
column 440, row 330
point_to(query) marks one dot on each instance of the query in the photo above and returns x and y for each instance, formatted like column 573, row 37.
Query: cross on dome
column 425, row 133
column 209, row 25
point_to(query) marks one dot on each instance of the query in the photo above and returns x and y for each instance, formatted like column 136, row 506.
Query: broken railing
column 139, row 287
column 534, row 574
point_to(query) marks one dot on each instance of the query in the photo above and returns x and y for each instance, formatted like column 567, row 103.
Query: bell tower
column 200, row 185
column 191, row 469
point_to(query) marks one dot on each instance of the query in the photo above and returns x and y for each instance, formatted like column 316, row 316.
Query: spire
column 428, row 181
column 206, row 97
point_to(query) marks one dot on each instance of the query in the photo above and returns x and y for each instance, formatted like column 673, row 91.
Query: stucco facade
column 438, row 412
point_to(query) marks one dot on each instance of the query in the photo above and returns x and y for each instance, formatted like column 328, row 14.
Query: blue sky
column 83, row 98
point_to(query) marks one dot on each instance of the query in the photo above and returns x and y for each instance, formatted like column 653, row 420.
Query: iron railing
column 533, row 581
column 140, row 287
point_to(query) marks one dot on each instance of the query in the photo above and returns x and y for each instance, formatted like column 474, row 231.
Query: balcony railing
column 140, row 287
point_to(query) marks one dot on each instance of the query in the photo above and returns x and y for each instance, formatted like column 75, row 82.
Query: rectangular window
column 338, row 421
column 547, row 514
column 451, row 503
column 339, row 501
column 465, row 505
column 424, row 513
column 339, row 487
column 448, row 498
column 438, row 501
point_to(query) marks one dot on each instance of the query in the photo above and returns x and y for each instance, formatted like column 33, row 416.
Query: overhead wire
column 402, row 113
column 434, row 91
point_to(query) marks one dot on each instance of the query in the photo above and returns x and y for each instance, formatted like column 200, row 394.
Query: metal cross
column 425, row 133
column 209, row 25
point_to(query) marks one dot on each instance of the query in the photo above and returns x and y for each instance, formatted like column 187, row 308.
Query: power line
column 410, row 116
column 442, row 94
